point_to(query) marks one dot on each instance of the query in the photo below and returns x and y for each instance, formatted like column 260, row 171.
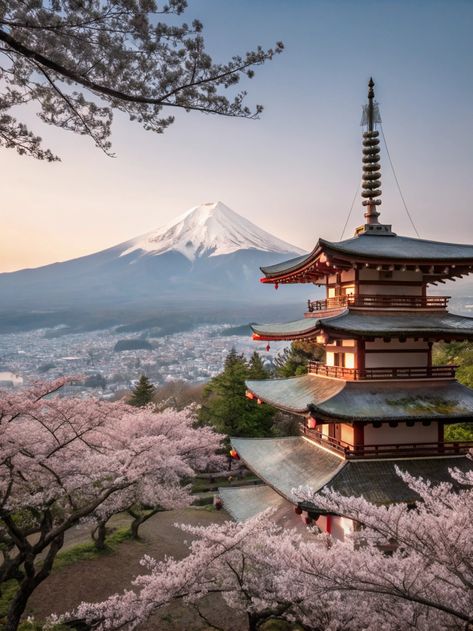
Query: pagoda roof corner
column 366, row 247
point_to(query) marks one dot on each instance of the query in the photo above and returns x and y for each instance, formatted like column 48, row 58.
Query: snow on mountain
column 211, row 229
column 209, row 255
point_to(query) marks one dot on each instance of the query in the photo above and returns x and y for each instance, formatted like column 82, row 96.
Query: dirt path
column 95, row 579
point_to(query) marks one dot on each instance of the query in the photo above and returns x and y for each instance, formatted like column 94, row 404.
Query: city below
column 194, row 356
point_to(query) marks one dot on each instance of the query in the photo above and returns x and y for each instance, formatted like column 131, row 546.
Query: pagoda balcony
column 393, row 450
column 380, row 373
column 374, row 301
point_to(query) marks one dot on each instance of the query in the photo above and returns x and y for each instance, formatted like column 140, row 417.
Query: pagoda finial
column 371, row 166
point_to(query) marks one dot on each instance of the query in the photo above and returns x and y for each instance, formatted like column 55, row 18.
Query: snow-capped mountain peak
column 211, row 229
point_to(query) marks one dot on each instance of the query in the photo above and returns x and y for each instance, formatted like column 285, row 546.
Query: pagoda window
column 377, row 424
column 410, row 423
column 393, row 423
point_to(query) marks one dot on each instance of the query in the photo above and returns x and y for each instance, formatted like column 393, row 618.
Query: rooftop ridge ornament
column 371, row 183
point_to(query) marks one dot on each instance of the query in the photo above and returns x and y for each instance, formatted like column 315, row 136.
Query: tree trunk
column 139, row 519
column 99, row 534
column 31, row 581
column 134, row 527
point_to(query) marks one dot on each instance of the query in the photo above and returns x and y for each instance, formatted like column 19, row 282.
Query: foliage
column 294, row 360
column 459, row 354
column 81, row 61
column 142, row 394
column 458, row 432
column 256, row 369
column 268, row 572
column 225, row 407
column 64, row 460
column 177, row 395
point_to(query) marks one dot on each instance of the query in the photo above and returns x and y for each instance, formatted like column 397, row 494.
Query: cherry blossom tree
column 190, row 449
column 63, row 460
column 424, row 582
column 78, row 62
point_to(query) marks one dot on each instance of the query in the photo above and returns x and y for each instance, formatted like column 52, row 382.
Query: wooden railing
column 327, row 303
column 393, row 372
column 399, row 302
column 379, row 302
column 350, row 451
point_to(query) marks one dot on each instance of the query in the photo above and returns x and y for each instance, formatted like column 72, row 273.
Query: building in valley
column 377, row 400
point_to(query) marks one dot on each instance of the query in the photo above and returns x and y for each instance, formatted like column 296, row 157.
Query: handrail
column 327, row 303
column 375, row 301
column 395, row 301
column 390, row 372
column 392, row 449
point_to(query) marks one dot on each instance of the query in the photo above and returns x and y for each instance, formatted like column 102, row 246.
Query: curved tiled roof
column 401, row 323
column 338, row 400
column 288, row 463
column 287, row 329
column 356, row 323
column 401, row 248
column 244, row 502
column 296, row 393
column 381, row 247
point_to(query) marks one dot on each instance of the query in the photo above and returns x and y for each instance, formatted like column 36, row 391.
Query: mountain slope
column 210, row 254
column 210, row 229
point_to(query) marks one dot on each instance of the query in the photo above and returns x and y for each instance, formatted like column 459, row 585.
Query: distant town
column 195, row 356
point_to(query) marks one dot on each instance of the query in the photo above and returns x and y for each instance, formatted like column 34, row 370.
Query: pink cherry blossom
column 63, row 460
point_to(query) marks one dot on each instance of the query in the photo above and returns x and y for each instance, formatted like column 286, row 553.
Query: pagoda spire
column 371, row 165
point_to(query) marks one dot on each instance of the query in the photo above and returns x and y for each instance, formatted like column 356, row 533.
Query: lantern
column 249, row 395
column 311, row 422
column 259, row 401
column 298, row 510
column 268, row 347
column 234, row 454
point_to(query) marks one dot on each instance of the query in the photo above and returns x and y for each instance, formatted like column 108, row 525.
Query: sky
column 295, row 171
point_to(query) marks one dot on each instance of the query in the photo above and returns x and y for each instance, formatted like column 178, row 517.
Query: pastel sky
column 295, row 171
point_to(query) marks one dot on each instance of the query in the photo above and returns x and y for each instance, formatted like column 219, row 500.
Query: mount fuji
column 208, row 255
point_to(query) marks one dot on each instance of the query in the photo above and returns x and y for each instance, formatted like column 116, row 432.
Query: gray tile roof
column 244, row 502
column 382, row 247
column 285, row 463
column 402, row 248
column 335, row 399
column 296, row 393
column 405, row 323
column 378, row 482
column 367, row 324
column 297, row 327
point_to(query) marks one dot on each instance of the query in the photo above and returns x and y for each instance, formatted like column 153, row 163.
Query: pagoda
column 376, row 401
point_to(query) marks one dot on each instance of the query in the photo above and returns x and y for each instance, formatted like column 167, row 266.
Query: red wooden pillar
column 329, row 524
column 441, row 436
column 360, row 355
column 429, row 354
column 359, row 434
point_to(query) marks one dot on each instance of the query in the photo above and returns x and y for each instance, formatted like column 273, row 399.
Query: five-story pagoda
column 377, row 400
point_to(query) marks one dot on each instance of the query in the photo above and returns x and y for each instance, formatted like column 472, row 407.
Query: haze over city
column 295, row 171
